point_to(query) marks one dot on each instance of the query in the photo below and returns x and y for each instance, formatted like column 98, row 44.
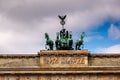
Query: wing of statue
column 64, row 17
column 60, row 17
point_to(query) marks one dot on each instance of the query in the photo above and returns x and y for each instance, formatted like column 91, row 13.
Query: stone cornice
column 51, row 53
column 18, row 55
column 74, row 70
column 63, row 52
column 105, row 55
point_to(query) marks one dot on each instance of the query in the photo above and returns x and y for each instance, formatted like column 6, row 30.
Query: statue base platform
column 63, row 58
column 60, row 65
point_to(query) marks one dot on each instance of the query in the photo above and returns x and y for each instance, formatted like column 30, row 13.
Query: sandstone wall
column 61, row 77
column 33, row 67
column 104, row 60
column 14, row 60
column 30, row 60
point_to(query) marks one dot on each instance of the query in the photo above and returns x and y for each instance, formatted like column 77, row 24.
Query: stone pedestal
column 63, row 58
column 60, row 65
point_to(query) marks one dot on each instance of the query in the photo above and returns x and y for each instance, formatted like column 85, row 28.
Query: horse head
column 46, row 36
column 82, row 36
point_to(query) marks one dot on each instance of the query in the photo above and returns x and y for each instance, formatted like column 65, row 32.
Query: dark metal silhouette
column 62, row 18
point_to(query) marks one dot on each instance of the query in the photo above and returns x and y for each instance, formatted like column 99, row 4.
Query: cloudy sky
column 24, row 22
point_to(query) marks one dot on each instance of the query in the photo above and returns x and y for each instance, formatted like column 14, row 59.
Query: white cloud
column 24, row 22
column 114, row 32
column 111, row 49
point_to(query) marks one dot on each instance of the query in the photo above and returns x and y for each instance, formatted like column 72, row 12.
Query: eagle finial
column 62, row 18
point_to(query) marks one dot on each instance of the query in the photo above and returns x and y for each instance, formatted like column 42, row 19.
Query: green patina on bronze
column 49, row 42
column 64, row 39
column 80, row 41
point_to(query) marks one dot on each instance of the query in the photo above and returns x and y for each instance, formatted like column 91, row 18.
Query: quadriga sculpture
column 64, row 39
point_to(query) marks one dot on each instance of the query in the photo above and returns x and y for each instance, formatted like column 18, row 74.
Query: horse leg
column 82, row 46
column 79, row 47
column 76, row 46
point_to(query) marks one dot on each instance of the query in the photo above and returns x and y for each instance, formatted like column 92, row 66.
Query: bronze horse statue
column 70, row 41
column 79, row 42
column 49, row 42
column 57, row 42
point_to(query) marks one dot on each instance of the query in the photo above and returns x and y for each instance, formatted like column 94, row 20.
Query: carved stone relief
column 63, row 61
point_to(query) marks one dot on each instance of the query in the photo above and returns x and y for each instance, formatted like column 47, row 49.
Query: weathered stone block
column 63, row 58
